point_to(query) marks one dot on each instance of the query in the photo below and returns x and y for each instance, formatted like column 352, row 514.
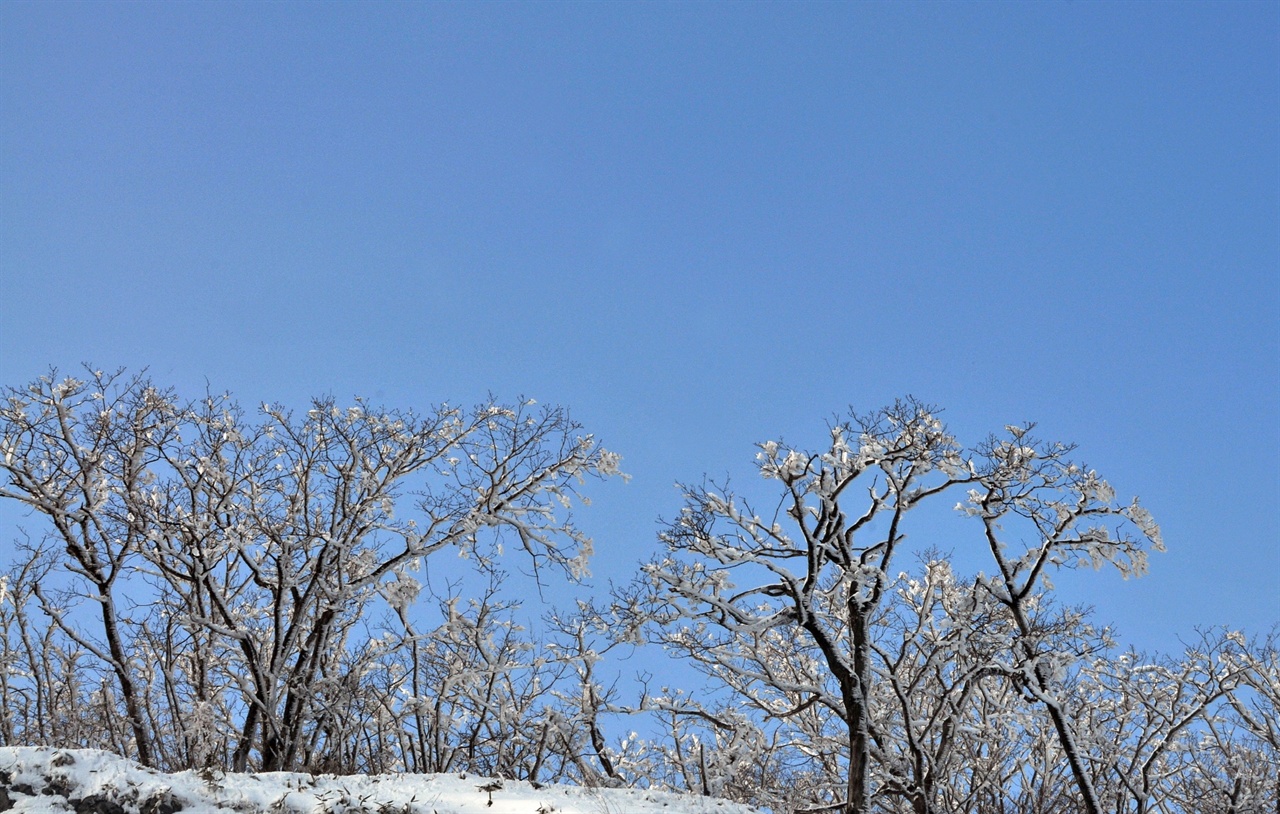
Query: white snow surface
column 60, row 776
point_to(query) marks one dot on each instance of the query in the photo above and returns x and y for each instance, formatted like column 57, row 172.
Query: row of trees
column 220, row 572
column 203, row 588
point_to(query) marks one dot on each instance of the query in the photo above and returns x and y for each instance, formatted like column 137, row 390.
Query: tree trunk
column 1083, row 782
column 856, row 693
column 141, row 740
column 857, row 798
column 1066, row 739
column 240, row 760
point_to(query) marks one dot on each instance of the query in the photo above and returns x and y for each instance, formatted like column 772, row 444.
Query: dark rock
column 62, row 759
column 60, row 786
column 96, row 804
column 6, row 802
column 25, row 788
column 161, row 803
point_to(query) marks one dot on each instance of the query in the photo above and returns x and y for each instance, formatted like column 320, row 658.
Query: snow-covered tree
column 75, row 451
column 736, row 587
column 1041, row 510
column 782, row 605
column 1138, row 713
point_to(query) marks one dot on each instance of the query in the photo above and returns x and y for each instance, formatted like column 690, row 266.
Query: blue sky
column 699, row 225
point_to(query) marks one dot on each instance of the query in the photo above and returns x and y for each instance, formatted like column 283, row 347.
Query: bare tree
column 1256, row 704
column 813, row 573
column 1138, row 713
column 939, row 642
column 73, row 451
column 734, row 590
column 1041, row 510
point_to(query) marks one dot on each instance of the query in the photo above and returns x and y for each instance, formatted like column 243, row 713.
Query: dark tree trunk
column 141, row 739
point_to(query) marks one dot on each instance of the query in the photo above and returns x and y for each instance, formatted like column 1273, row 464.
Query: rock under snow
column 44, row 781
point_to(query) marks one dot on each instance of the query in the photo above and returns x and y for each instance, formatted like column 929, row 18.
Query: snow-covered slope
column 91, row 782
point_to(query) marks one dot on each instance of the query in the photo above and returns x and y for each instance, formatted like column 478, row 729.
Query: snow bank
column 44, row 781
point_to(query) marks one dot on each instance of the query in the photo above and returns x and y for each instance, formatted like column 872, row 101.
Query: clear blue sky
column 699, row 225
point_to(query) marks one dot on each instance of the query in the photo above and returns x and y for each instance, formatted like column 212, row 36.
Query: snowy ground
column 91, row 782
